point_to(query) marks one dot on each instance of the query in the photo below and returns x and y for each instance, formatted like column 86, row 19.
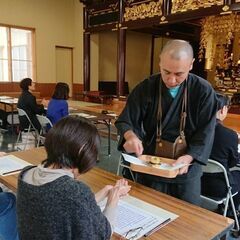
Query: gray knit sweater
column 63, row 209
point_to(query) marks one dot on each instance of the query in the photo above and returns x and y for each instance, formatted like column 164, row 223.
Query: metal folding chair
column 121, row 165
column 45, row 123
column 29, row 129
column 216, row 167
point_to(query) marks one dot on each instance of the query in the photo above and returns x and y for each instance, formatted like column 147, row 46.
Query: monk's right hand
column 133, row 144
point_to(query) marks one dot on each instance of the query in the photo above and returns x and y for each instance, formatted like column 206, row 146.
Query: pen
column 17, row 170
column 157, row 227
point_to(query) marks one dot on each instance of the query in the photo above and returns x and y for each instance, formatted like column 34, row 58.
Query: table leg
column 108, row 124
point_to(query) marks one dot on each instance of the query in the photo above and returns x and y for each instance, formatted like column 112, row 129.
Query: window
column 16, row 54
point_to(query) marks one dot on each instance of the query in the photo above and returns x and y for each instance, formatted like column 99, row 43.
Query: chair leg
column 39, row 138
column 28, row 131
column 226, row 206
column 120, row 164
column 19, row 135
column 234, row 213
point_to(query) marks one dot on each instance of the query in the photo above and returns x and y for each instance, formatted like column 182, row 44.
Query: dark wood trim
column 152, row 55
column 86, row 61
column 121, row 61
column 65, row 47
column 85, row 20
column 99, row 28
column 121, row 9
column 150, row 22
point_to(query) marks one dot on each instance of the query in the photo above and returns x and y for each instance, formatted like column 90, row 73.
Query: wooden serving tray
column 153, row 170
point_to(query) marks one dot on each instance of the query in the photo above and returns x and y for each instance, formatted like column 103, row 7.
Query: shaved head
column 176, row 60
column 178, row 49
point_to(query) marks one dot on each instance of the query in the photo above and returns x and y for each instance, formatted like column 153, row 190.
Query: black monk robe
column 140, row 115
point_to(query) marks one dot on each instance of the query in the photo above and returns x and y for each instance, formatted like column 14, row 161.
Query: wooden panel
column 77, row 91
column 45, row 89
column 10, row 87
column 232, row 121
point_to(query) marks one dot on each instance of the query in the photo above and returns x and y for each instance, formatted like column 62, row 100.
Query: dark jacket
column 225, row 151
column 27, row 102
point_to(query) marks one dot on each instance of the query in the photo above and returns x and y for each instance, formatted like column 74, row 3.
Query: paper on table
column 133, row 213
column 4, row 97
column 10, row 165
column 71, row 108
column 163, row 166
column 134, row 160
column 112, row 114
column 85, row 115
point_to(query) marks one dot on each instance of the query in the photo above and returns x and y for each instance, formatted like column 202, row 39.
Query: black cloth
column 225, row 151
column 140, row 115
column 27, row 102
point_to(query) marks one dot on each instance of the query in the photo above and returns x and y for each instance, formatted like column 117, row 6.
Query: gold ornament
column 216, row 36
column 186, row 5
column 147, row 9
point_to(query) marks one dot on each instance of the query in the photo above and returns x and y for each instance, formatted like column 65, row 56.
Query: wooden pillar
column 86, row 61
column 152, row 54
column 121, row 61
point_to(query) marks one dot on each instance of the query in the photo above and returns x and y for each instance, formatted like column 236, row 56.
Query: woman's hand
column 119, row 190
column 103, row 193
column 45, row 102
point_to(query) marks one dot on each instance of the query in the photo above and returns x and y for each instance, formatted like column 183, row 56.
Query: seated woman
column 52, row 203
column 58, row 106
column 27, row 102
column 8, row 219
column 225, row 151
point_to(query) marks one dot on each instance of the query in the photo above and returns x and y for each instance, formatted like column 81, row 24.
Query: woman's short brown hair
column 25, row 83
column 72, row 143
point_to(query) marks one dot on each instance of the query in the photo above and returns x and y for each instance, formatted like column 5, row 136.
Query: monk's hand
column 185, row 159
column 133, row 144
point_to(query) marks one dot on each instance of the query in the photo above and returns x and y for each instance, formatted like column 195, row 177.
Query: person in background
column 137, row 124
column 27, row 102
column 58, row 106
column 224, row 151
column 3, row 118
column 52, row 203
column 8, row 219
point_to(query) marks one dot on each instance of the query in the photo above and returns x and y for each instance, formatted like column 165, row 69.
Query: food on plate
column 155, row 160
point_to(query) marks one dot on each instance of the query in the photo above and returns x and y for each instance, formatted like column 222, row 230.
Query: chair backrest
column 216, row 167
column 44, row 121
column 22, row 113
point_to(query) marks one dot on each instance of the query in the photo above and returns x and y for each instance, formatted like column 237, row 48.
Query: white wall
column 57, row 22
